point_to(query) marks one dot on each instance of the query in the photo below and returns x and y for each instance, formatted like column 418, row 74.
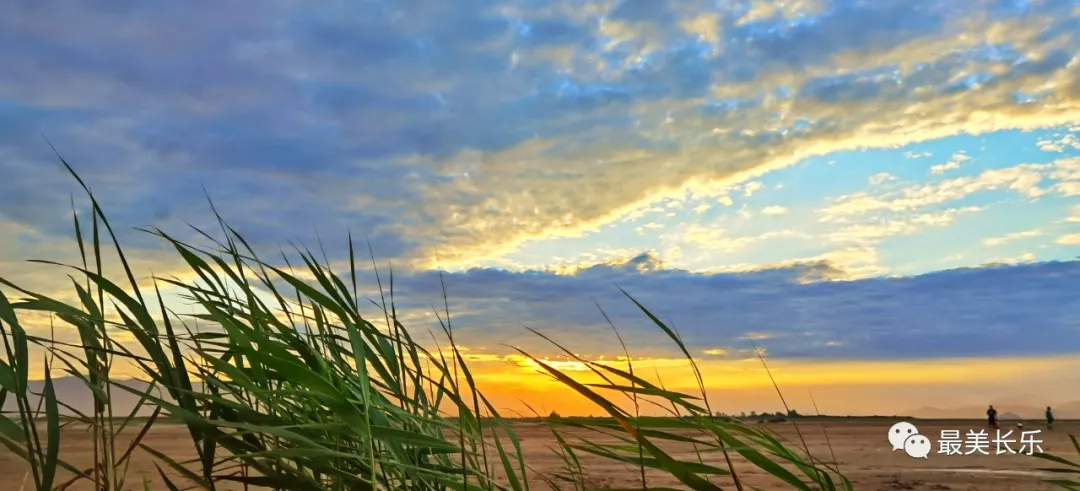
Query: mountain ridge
column 1006, row 411
column 74, row 392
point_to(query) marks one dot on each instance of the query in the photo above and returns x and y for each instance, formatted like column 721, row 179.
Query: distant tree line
column 791, row 413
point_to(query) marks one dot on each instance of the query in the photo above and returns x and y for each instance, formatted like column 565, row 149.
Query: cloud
column 649, row 226
column 1067, row 141
column 1068, row 239
column 880, row 178
column 470, row 129
column 1023, row 179
column 717, row 239
column 1026, row 257
column 952, row 164
column 751, row 187
column 996, row 241
column 774, row 210
column 873, row 231
column 962, row 312
column 1074, row 214
column 811, row 309
column 729, row 354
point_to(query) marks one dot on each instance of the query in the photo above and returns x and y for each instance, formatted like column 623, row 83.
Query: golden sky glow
column 855, row 387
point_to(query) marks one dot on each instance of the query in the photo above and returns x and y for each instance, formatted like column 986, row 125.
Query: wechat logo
column 905, row 436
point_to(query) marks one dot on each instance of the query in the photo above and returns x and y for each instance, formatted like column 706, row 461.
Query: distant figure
column 991, row 416
column 1049, row 418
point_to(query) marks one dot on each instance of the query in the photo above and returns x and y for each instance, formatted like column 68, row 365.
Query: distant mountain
column 1007, row 410
column 73, row 392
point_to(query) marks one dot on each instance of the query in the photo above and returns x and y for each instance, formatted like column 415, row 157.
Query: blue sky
column 798, row 212
column 889, row 180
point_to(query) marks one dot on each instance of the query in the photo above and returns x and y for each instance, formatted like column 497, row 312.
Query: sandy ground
column 861, row 448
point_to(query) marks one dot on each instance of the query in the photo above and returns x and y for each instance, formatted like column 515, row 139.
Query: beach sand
column 860, row 447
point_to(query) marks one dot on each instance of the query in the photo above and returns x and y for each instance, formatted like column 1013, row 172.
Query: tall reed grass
column 1067, row 469
column 305, row 393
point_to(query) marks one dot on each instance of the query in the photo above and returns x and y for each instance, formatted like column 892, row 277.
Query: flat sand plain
column 860, row 447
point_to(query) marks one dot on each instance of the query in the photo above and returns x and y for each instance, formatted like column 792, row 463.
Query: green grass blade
column 52, row 426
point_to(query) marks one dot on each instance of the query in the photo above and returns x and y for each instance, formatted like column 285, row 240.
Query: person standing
column 1049, row 418
column 991, row 417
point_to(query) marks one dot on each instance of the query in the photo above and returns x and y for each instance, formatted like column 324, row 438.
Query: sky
column 880, row 196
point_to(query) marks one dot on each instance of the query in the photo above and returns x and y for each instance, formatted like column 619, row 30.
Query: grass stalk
column 283, row 383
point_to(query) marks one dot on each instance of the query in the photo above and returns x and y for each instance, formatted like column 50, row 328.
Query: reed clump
column 297, row 390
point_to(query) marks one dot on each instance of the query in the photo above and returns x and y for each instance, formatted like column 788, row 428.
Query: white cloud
column 1068, row 239
column 844, row 264
column 648, row 226
column 752, row 187
column 996, row 241
column 1069, row 140
column 952, row 164
column 774, row 210
column 713, row 238
column 1074, row 214
column 1024, row 258
column 874, row 230
column 761, row 10
column 1024, row 179
column 880, row 178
